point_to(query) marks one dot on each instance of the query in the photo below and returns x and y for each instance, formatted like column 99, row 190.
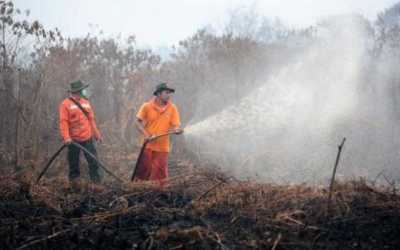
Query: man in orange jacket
column 77, row 123
column 155, row 117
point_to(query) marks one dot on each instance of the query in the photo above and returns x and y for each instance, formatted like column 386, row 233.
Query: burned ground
column 198, row 210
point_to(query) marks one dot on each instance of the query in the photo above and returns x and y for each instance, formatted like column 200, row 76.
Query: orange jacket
column 73, row 122
column 158, row 120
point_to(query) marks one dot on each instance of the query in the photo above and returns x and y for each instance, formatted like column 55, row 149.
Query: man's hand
column 177, row 131
column 99, row 139
column 149, row 138
column 68, row 142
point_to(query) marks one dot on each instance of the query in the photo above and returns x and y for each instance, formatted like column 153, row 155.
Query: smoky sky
column 164, row 23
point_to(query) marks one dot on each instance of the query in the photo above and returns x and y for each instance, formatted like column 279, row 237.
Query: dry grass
column 198, row 210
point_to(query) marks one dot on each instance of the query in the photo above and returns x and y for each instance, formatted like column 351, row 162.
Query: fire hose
column 140, row 156
column 84, row 150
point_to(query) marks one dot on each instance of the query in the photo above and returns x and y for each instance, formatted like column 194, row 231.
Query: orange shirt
column 73, row 122
column 158, row 120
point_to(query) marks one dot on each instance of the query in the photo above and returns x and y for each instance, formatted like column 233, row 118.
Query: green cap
column 161, row 87
column 77, row 86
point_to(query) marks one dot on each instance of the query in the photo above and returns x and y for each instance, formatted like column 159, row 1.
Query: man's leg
column 159, row 171
column 93, row 166
column 73, row 162
column 144, row 167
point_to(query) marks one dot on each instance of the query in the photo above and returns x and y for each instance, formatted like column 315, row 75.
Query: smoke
column 288, row 129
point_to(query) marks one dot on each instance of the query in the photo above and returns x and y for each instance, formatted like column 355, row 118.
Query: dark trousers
column 73, row 161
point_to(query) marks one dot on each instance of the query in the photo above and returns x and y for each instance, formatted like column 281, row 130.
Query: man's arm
column 176, row 129
column 64, row 125
column 139, row 123
column 176, row 122
column 96, row 132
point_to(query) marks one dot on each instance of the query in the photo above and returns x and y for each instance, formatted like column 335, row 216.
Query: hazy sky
column 165, row 22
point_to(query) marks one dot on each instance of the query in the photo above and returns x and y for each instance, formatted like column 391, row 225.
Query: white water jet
column 287, row 129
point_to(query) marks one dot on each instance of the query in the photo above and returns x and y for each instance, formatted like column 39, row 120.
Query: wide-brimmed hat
column 77, row 86
column 161, row 87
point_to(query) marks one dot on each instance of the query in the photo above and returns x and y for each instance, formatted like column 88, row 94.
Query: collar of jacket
column 157, row 107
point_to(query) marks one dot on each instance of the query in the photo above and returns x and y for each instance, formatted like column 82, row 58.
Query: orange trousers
column 153, row 166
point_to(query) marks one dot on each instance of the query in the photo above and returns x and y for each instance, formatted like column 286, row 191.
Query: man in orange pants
column 77, row 123
column 155, row 117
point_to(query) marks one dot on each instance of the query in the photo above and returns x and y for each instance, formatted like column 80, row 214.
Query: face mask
column 85, row 93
